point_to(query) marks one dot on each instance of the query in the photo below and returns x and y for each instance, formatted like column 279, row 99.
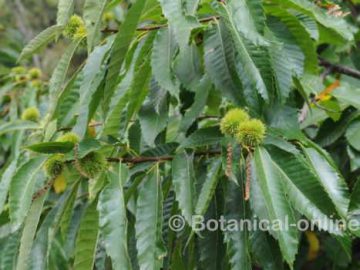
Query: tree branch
column 137, row 160
column 340, row 69
column 159, row 26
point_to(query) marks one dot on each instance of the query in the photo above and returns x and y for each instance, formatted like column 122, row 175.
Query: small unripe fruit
column 54, row 166
column 31, row 114
column 34, row 73
column 92, row 164
column 251, row 133
column 18, row 70
column 69, row 137
column 231, row 121
column 60, row 184
column 108, row 16
column 75, row 27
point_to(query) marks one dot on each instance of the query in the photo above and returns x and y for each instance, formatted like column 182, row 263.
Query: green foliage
column 151, row 109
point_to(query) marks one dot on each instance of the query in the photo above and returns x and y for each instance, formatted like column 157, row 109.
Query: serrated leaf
column 86, row 240
column 18, row 125
column 353, row 135
column 28, row 233
column 274, row 204
column 51, row 147
column 21, row 190
column 208, row 188
column 148, row 224
column 93, row 11
column 5, row 182
column 59, row 75
column 180, row 23
column 330, row 179
column 41, row 40
column 121, row 45
column 161, row 61
column 203, row 137
column 183, row 182
column 113, row 221
column 219, row 62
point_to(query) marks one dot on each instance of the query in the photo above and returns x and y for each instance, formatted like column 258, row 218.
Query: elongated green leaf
column 219, row 62
column 330, row 179
column 266, row 251
column 121, row 45
column 21, row 190
column 113, row 221
column 305, row 192
column 161, row 62
column 5, row 182
column 86, row 240
column 236, row 240
column 18, row 125
column 338, row 26
column 183, row 181
column 93, row 74
column 29, row 231
column 148, row 224
column 208, row 188
column 202, row 137
column 52, row 147
column 65, row 9
column 302, row 37
column 252, row 72
column 59, row 75
column 353, row 134
column 41, row 40
column 178, row 21
column 93, row 11
column 274, row 204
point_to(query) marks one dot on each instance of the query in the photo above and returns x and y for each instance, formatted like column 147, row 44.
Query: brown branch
column 159, row 26
column 340, row 69
column 137, row 160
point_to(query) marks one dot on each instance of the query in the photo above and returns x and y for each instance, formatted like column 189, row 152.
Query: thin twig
column 159, row 26
column 340, row 69
column 137, row 160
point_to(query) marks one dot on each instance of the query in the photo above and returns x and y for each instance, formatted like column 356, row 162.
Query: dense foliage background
column 109, row 126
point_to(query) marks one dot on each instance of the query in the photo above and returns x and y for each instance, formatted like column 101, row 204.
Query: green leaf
column 273, row 203
column 330, row 179
column 236, row 240
column 148, row 224
column 86, row 239
column 41, row 40
column 51, row 147
column 93, row 11
column 353, row 135
column 21, row 190
column 93, row 73
column 28, row 233
column 208, row 188
column 113, row 221
column 5, row 182
column 266, row 251
column 59, row 75
column 219, row 62
column 121, row 44
column 252, row 72
column 181, row 24
column 183, row 182
column 65, row 9
column 18, row 125
column 152, row 122
column 161, row 62
column 305, row 192
column 203, row 137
